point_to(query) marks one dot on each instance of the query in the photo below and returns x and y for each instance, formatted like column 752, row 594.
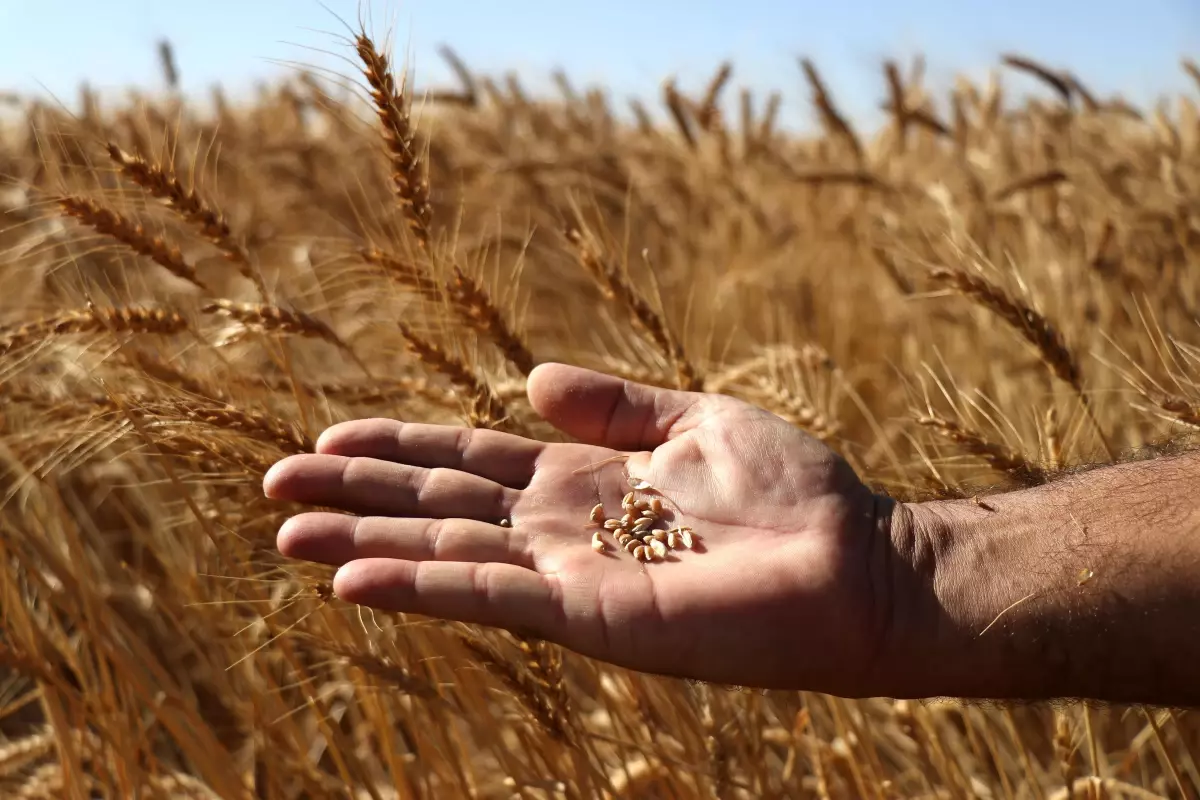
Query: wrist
column 919, row 626
column 978, row 609
column 1084, row 588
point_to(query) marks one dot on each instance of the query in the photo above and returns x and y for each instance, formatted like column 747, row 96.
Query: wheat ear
column 1034, row 327
column 412, row 189
column 999, row 457
column 617, row 289
column 127, row 319
column 268, row 318
column 161, row 182
column 475, row 306
column 487, row 410
column 263, row 427
column 133, row 235
column 830, row 116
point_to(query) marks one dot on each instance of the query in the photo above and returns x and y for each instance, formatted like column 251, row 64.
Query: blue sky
column 1129, row 47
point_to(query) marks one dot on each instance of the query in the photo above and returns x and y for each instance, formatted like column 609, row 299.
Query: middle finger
column 369, row 486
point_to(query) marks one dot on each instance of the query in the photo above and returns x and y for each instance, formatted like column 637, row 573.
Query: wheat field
column 978, row 295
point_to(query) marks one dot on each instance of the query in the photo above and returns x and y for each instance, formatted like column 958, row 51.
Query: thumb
column 612, row 412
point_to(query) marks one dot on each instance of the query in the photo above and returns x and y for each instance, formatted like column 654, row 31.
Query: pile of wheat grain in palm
column 979, row 294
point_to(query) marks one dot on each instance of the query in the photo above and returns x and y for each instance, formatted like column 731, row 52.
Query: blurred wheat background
column 974, row 294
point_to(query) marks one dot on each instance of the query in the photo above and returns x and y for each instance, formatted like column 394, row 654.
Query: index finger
column 504, row 458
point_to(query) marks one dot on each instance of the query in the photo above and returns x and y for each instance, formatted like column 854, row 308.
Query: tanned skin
column 1088, row 587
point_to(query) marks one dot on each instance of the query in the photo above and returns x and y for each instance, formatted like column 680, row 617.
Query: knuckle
column 435, row 538
column 482, row 581
column 430, row 484
column 399, row 433
column 463, row 439
column 358, row 535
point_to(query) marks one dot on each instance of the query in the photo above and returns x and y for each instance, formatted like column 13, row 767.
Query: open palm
column 787, row 585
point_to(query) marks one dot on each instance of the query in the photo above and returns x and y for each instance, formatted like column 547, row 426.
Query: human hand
column 790, row 585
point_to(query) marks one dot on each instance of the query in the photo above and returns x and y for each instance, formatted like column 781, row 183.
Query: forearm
column 1086, row 587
